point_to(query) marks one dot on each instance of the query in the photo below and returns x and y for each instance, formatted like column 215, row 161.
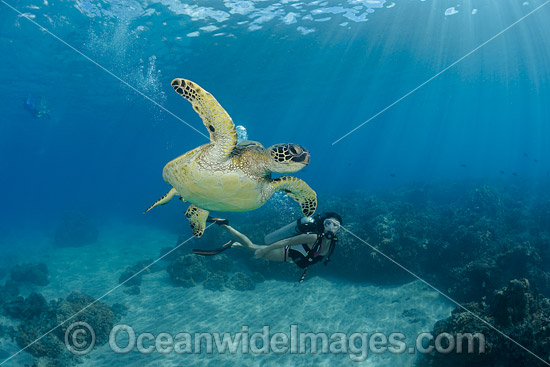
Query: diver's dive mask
column 331, row 227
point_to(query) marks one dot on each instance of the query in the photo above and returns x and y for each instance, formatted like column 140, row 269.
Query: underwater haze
column 428, row 127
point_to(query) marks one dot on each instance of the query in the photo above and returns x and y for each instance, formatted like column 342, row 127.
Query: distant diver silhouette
column 36, row 106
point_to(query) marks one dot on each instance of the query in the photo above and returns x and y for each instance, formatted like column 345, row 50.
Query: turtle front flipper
column 223, row 134
column 163, row 200
column 197, row 219
column 299, row 191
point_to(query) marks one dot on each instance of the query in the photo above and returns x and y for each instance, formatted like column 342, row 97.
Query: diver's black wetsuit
column 304, row 256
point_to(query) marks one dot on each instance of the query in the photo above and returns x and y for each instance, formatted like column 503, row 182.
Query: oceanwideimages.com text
column 357, row 345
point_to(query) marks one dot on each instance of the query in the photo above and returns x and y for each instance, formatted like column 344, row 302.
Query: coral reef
column 38, row 317
column 98, row 315
column 517, row 311
column 241, row 282
column 26, row 309
column 466, row 240
column 215, row 281
column 485, row 201
column 32, row 273
column 215, row 273
column 8, row 292
column 133, row 291
column 540, row 211
column 76, row 229
column 132, row 276
column 187, row 271
column 119, row 310
column 7, row 332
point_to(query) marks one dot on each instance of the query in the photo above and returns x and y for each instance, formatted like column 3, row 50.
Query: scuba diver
column 36, row 107
column 305, row 242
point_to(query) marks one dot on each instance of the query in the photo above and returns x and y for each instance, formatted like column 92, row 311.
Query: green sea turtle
column 229, row 177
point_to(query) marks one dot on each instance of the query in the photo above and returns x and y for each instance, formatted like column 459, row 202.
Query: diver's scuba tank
column 242, row 135
column 302, row 225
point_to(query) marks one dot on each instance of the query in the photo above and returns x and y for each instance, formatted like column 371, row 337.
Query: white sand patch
column 317, row 305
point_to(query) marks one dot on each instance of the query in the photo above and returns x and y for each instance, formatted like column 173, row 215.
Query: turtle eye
column 294, row 150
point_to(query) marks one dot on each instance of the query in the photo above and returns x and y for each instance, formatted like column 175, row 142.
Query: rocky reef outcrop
column 132, row 276
column 43, row 324
column 8, row 292
column 214, row 273
column 517, row 311
column 468, row 241
column 32, row 273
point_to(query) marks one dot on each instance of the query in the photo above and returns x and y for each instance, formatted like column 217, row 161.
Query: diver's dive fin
column 218, row 221
column 227, row 246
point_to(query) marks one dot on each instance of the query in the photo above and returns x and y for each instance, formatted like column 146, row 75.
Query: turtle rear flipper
column 299, row 191
column 197, row 219
column 223, row 134
column 163, row 200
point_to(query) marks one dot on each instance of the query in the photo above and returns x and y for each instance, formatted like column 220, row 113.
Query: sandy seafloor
column 317, row 305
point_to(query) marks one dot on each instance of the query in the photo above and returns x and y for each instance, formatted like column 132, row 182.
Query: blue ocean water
column 307, row 72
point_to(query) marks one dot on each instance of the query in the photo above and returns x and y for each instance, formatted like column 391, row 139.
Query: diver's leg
column 242, row 240
column 277, row 254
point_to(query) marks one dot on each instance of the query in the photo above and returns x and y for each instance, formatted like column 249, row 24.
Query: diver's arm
column 296, row 240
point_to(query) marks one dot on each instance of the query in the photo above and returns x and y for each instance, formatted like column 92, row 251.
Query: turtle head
column 287, row 158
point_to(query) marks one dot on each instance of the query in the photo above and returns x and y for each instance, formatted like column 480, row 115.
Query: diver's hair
column 327, row 215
